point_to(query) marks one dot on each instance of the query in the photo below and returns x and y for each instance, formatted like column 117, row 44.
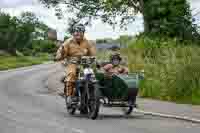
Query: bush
column 45, row 46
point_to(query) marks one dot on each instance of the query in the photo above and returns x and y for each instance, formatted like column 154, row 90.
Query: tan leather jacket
column 71, row 48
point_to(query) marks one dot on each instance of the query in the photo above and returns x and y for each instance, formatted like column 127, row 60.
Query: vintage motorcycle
column 85, row 88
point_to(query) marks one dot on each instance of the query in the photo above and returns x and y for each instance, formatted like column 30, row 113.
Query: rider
column 73, row 49
column 114, row 67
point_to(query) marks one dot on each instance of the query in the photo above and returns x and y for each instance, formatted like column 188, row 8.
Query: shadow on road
column 112, row 116
column 115, row 116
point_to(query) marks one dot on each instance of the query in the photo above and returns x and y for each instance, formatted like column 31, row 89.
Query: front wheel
column 84, row 109
column 94, row 104
column 71, row 111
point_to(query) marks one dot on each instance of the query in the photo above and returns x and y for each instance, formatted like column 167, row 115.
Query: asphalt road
column 26, row 106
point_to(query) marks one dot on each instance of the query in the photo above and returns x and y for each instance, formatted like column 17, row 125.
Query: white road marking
column 76, row 130
column 185, row 118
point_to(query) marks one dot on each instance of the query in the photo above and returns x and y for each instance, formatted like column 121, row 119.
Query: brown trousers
column 71, row 77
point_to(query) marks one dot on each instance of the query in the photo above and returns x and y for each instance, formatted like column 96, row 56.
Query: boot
column 72, row 100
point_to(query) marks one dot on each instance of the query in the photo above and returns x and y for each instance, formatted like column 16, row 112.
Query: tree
column 24, row 30
column 8, row 28
column 4, row 24
column 168, row 17
column 41, row 31
column 18, row 33
column 29, row 17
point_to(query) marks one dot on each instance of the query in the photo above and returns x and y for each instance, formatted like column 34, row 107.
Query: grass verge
column 11, row 62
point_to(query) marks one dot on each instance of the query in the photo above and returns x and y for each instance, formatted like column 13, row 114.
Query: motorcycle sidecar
column 118, row 91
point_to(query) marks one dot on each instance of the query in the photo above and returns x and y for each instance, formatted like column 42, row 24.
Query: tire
column 84, row 111
column 94, row 104
column 83, row 108
column 71, row 111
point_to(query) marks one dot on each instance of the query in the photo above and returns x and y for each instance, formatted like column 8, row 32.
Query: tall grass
column 171, row 73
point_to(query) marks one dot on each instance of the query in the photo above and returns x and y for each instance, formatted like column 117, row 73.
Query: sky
column 97, row 30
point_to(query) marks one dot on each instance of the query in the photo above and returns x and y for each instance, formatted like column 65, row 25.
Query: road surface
column 26, row 106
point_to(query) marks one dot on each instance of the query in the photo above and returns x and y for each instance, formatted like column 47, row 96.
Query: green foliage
column 124, row 39
column 16, row 32
column 106, row 10
column 170, row 18
column 171, row 73
column 153, row 42
column 24, row 33
column 159, row 41
column 43, row 46
column 7, row 26
column 10, row 62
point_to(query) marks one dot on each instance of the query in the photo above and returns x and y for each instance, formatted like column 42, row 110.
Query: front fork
column 86, row 94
